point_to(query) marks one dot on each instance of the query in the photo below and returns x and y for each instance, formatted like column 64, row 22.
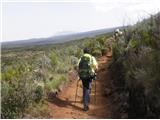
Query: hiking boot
column 86, row 108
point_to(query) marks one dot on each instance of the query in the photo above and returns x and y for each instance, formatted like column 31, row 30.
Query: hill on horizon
column 56, row 39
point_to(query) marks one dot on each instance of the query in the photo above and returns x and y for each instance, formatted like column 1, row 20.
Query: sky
column 26, row 19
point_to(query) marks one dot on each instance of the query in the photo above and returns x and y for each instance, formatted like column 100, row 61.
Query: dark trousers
column 86, row 91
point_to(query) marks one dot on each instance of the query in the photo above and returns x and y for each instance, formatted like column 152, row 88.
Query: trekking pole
column 95, row 92
column 76, row 91
column 95, row 77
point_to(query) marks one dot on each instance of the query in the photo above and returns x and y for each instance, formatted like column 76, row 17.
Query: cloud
column 134, row 10
column 107, row 5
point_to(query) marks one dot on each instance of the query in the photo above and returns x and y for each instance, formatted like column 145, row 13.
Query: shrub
column 78, row 53
column 38, row 94
column 96, row 53
column 18, row 96
column 54, row 59
column 54, row 84
column 137, row 66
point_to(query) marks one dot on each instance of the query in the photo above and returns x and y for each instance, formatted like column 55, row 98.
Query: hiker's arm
column 77, row 68
column 95, row 64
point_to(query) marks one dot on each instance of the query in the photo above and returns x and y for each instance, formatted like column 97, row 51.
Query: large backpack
column 85, row 70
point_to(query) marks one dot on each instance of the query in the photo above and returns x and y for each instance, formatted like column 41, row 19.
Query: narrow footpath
column 63, row 105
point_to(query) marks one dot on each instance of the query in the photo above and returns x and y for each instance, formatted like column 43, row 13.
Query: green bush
column 54, row 59
column 78, row 53
column 54, row 84
column 137, row 66
column 96, row 53
column 38, row 94
column 62, row 68
column 16, row 98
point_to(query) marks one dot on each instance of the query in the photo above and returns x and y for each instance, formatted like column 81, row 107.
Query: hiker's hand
column 96, row 70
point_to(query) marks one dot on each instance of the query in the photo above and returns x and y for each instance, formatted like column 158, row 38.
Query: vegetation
column 135, row 68
column 29, row 74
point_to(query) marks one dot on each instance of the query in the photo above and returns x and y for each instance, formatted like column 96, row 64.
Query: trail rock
column 60, row 88
column 52, row 94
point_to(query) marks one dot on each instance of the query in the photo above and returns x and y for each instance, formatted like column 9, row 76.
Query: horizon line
column 62, row 34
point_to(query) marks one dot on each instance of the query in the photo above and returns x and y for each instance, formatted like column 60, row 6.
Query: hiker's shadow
column 64, row 103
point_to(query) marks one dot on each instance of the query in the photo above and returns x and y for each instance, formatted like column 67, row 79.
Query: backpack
column 85, row 70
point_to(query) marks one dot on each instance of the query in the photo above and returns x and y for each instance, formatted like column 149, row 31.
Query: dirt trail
column 63, row 105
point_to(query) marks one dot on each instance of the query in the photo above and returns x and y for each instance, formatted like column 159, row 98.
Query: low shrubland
column 135, row 68
column 29, row 74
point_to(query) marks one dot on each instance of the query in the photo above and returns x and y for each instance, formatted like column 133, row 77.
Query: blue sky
column 34, row 19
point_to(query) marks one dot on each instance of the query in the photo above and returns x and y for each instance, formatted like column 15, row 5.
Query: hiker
column 117, row 34
column 87, row 67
